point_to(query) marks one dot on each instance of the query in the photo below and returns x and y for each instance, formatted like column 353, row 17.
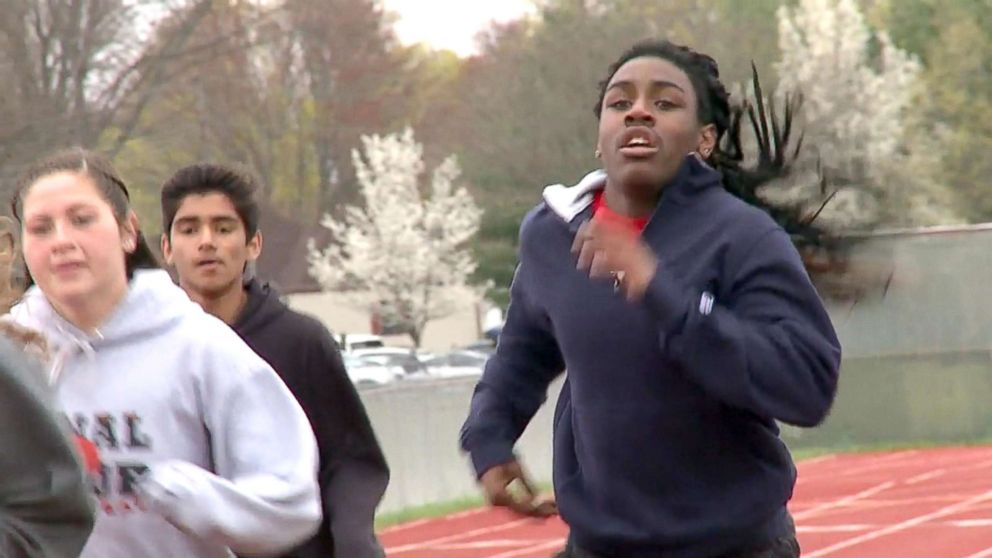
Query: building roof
column 283, row 262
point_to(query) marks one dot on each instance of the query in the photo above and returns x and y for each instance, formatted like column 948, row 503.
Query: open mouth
column 639, row 142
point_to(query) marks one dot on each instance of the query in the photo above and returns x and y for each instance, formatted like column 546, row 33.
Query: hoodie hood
column 170, row 395
column 262, row 308
column 568, row 202
column 152, row 304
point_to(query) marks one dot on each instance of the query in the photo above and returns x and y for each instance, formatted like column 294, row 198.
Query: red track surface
column 907, row 504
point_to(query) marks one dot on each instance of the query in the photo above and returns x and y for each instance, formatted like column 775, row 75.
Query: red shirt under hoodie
column 602, row 212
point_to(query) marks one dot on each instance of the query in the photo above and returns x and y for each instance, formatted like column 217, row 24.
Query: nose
column 639, row 114
column 206, row 238
column 62, row 239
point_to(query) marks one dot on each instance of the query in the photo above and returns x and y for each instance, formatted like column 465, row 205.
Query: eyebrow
column 657, row 84
column 211, row 219
column 78, row 206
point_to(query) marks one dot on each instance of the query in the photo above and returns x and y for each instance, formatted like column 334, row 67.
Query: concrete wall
column 900, row 400
column 418, row 424
column 917, row 367
column 917, row 357
column 888, row 400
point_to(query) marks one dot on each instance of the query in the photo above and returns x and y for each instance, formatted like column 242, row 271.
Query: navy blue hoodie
column 665, row 438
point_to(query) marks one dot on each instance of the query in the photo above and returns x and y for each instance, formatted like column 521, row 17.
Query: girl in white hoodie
column 205, row 453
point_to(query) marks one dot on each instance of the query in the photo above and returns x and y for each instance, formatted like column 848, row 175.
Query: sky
column 451, row 24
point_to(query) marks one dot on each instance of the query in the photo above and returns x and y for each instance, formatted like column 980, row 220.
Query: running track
column 911, row 504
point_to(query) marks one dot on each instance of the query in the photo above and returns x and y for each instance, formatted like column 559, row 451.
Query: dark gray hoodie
column 46, row 506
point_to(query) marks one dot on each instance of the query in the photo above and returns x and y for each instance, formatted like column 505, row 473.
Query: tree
column 215, row 107
column 83, row 72
column 858, row 88
column 955, row 41
column 402, row 254
column 355, row 76
column 520, row 114
column 284, row 87
column 959, row 97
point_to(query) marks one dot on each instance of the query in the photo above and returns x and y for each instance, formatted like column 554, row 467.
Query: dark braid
column 824, row 255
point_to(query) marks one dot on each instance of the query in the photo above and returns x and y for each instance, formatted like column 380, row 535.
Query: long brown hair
column 29, row 340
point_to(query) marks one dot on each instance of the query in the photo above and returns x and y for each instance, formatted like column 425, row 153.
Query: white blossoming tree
column 402, row 255
column 858, row 88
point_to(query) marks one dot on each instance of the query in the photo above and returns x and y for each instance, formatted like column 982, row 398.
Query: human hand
column 608, row 249
column 508, row 486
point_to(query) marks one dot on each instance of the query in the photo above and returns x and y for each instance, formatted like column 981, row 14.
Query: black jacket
column 353, row 471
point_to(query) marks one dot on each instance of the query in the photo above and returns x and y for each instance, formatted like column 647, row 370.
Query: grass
column 799, row 454
column 427, row 511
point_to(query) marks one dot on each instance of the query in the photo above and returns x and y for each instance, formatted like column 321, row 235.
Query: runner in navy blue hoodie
column 688, row 327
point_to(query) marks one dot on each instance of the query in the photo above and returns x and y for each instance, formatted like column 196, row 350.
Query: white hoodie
column 205, row 452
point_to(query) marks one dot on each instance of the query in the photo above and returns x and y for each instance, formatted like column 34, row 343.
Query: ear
column 255, row 246
column 707, row 141
column 129, row 233
column 166, row 249
column 8, row 243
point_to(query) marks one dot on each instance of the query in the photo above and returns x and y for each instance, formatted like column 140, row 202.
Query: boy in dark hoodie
column 688, row 327
column 210, row 223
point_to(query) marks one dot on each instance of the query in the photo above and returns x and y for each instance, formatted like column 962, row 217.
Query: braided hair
column 823, row 254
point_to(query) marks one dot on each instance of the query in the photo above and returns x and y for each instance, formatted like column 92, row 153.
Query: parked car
column 485, row 347
column 457, row 363
column 364, row 372
column 405, row 359
column 356, row 341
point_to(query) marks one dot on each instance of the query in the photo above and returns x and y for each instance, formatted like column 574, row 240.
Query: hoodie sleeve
column 353, row 469
column 263, row 498
column 46, row 504
column 769, row 348
column 515, row 382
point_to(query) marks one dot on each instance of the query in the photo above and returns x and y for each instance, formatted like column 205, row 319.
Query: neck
column 631, row 204
column 90, row 312
column 226, row 305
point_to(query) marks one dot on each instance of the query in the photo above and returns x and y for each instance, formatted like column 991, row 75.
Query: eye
column 665, row 104
column 185, row 230
column 82, row 219
column 39, row 229
column 619, row 104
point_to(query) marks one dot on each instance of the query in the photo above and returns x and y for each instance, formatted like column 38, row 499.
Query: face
column 207, row 244
column 74, row 246
column 649, row 124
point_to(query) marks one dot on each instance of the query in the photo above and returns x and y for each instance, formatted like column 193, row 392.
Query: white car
column 456, row 364
column 405, row 359
column 364, row 372
column 355, row 341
